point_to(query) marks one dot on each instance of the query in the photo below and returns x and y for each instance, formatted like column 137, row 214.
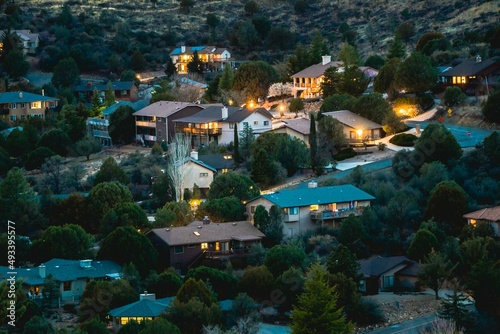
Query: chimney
column 206, row 220
column 326, row 59
column 20, row 95
column 183, row 49
column 85, row 264
column 225, row 113
column 194, row 154
column 43, row 92
column 312, row 184
column 41, row 270
column 147, row 296
column 478, row 59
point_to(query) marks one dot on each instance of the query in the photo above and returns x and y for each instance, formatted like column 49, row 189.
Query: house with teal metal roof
column 211, row 57
column 307, row 208
column 16, row 106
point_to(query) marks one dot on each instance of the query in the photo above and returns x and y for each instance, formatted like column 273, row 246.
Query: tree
column 73, row 122
column 109, row 172
column 437, row 143
column 298, row 61
column 225, row 209
column 422, row 244
column 66, row 73
column 406, row 31
column 296, row 105
column 313, row 145
column 222, row 283
column 317, row 49
column 233, row 184
column 453, row 96
column 247, row 137
column 446, row 204
column 317, row 310
column 137, row 61
column 337, row 102
column 385, row 80
column 348, row 55
column 56, row 140
column 436, row 269
column 426, row 38
column 15, row 64
column 105, row 196
column 343, row 261
column 37, row 157
column 282, row 257
column 375, row 61
column 17, row 144
column 454, row 307
column 122, row 125
column 416, row 74
column 212, row 21
column 351, row 230
column 160, row 325
column 165, row 284
column 351, row 81
column 86, row 147
column 53, row 178
column 396, row 48
column 109, row 95
column 261, row 218
column 331, row 136
column 10, row 42
column 140, row 250
column 195, row 65
column 226, row 79
column 253, row 78
column 124, row 214
column 236, row 144
column 251, row 7
column 38, row 325
column 257, row 282
column 274, row 228
column 491, row 109
column 128, row 75
column 373, row 106
column 178, row 152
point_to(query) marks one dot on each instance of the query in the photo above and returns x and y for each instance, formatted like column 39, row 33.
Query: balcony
column 330, row 214
column 100, row 134
column 149, row 138
column 197, row 131
column 146, row 124
column 291, row 218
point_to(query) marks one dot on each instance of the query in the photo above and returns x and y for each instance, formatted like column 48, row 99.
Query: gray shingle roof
column 142, row 308
column 163, row 108
column 488, row 214
column 117, row 85
column 317, row 70
column 300, row 125
column 185, row 235
column 320, row 195
column 378, row 265
column 20, row 97
column 65, row 270
column 214, row 114
column 217, row 161
column 353, row 120
column 468, row 67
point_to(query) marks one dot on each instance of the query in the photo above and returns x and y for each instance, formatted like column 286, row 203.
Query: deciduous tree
column 109, row 172
column 436, row 269
column 254, row 78
column 233, row 184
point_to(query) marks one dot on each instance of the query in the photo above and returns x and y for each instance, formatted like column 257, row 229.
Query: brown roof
column 317, row 70
column 300, row 125
column 469, row 67
column 164, row 108
column 197, row 232
column 488, row 214
column 353, row 120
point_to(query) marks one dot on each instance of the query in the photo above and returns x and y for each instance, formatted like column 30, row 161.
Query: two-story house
column 124, row 90
column 213, row 58
column 357, row 129
column 307, row 208
column 475, row 76
column 28, row 41
column 155, row 123
column 216, row 124
column 197, row 172
column 16, row 106
column 307, row 83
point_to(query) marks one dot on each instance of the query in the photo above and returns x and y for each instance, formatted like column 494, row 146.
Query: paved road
column 414, row 326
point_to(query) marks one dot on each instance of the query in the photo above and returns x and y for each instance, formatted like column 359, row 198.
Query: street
column 414, row 326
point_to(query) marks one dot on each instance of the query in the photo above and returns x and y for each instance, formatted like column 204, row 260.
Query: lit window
column 203, row 174
column 255, row 122
column 36, row 105
column 463, row 80
column 314, row 207
column 473, row 222
column 204, row 245
column 67, row 286
column 178, row 249
column 224, row 170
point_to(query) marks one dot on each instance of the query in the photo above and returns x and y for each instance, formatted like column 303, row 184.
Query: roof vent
column 199, row 227
column 478, row 59
column 206, row 220
column 234, row 224
column 20, row 95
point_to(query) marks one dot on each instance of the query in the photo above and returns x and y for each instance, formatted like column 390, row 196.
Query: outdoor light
column 359, row 132
column 251, row 104
column 230, row 102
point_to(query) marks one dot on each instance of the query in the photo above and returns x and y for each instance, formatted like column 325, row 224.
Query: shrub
column 345, row 153
column 453, row 96
column 366, row 312
column 426, row 101
column 403, row 139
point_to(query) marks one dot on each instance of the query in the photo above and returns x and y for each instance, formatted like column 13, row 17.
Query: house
column 71, row 275
column 147, row 308
column 388, row 274
column 16, row 106
column 490, row 215
column 296, row 128
column 221, row 162
column 307, row 83
column 28, row 41
column 475, row 76
column 213, row 58
column 98, row 128
column 155, row 123
column 182, row 246
column 357, row 129
column 216, row 124
column 197, row 172
column 307, row 208
column 124, row 90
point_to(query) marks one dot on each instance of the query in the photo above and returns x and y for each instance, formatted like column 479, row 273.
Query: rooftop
column 142, row 308
column 469, row 67
column 217, row 161
column 300, row 125
column 214, row 114
column 117, row 85
column 488, row 214
column 164, row 108
column 134, row 105
column 377, row 265
column 20, row 97
column 353, row 120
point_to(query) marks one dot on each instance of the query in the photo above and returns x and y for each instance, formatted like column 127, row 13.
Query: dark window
column 178, row 249
column 67, row 286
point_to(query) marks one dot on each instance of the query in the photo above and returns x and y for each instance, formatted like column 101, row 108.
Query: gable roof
column 488, row 214
column 319, row 195
column 202, row 164
column 353, row 120
column 164, row 108
column 469, row 67
column 63, row 270
column 316, row 70
column 300, row 125
column 184, row 235
column 24, row 97
column 142, row 308
column 214, row 114
column 134, row 105
column 117, row 85
column 188, row 50
column 217, row 161
column 378, row 265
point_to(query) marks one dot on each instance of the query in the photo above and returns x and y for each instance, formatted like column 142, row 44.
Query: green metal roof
column 24, row 97
column 142, row 308
column 319, row 195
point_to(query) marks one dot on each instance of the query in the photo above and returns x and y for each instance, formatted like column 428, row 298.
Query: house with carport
column 357, row 129
column 307, row 208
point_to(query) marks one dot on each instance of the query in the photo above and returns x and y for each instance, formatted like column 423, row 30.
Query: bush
column 345, row 153
column 453, row 96
column 366, row 312
column 426, row 101
column 404, row 139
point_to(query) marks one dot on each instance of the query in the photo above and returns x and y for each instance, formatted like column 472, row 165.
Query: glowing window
column 314, row 207
column 204, row 245
column 36, row 105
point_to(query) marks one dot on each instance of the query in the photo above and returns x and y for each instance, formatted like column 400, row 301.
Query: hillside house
column 124, row 90
column 213, row 58
column 357, row 129
column 307, row 208
column 17, row 106
column 28, row 41
column 296, row 128
column 489, row 215
column 199, row 173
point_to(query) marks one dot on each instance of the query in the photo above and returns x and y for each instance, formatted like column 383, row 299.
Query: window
column 388, row 281
column 191, row 246
column 314, row 207
column 204, row 245
column 23, row 105
column 255, row 122
column 159, row 133
column 178, row 249
column 203, row 174
column 13, row 118
column 266, row 122
column 67, row 286
column 252, row 209
column 23, row 117
column 292, row 211
column 245, row 123
column 231, row 125
column 123, row 92
column 52, row 104
column 36, row 105
column 13, row 106
column 224, row 170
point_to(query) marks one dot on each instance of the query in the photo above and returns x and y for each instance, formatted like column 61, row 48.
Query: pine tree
column 313, row 144
column 396, row 48
column 318, row 49
column 226, row 80
column 236, row 145
column 195, row 65
column 109, row 97
column 96, row 104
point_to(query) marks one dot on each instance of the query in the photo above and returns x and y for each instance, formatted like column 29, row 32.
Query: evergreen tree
column 10, row 42
column 318, row 48
column 96, row 104
column 236, row 145
column 298, row 61
column 349, row 54
column 195, row 65
column 313, row 144
column 396, row 48
column 109, row 97
column 226, row 80
column 137, row 61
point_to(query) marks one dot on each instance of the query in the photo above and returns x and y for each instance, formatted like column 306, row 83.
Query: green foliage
column 491, row 109
column 406, row 30
column 342, row 260
column 317, row 310
column 281, row 257
column 160, row 325
column 318, row 48
column 351, row 230
column 137, row 61
column 331, row 138
column 222, row 283
column 140, row 250
column 195, row 65
column 385, row 80
column 296, row 105
column 165, row 284
column 265, row 170
column 15, row 64
column 225, row 209
column 109, row 172
column 348, row 55
column 351, row 81
column 396, row 48
column 447, row 203
column 37, row 157
column 66, row 73
column 427, row 37
column 122, row 125
column 422, row 244
column 251, row 7
column 416, row 74
column 338, row 102
column 454, row 308
column 366, row 312
column 375, row 61
column 253, row 79
column 257, row 282
column 436, row 269
column 261, row 217
column 453, row 96
column 86, row 147
column 313, row 146
column 372, row 106
column 212, row 20
column 404, row 139
column 437, row 143
column 38, row 325
column 124, row 214
column 345, row 153
column 226, row 79
column 246, row 138
column 95, row 326
column 56, row 140
column 233, row 184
